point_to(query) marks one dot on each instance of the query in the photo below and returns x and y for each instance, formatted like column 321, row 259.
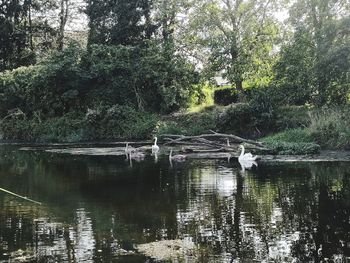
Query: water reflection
column 96, row 209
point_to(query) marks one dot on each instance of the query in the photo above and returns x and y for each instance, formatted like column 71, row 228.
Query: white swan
column 247, row 164
column 155, row 147
column 138, row 156
column 129, row 149
column 177, row 157
column 155, row 154
column 246, row 156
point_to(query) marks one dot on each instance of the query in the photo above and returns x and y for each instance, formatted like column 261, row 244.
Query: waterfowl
column 247, row 164
column 177, row 157
column 137, row 155
column 246, row 156
column 155, row 147
column 186, row 150
column 129, row 149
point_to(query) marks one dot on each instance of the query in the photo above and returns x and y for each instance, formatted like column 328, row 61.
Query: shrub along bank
column 305, row 133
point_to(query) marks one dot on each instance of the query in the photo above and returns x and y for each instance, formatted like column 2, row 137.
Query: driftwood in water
column 213, row 142
column 19, row 196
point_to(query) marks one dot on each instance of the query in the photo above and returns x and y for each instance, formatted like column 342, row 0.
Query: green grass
column 291, row 136
column 292, row 142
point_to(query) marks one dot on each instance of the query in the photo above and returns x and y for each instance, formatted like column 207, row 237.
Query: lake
column 99, row 209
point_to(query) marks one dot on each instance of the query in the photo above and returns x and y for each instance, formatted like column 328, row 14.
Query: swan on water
column 129, row 149
column 155, row 147
column 138, row 156
column 247, row 164
column 177, row 157
column 246, row 156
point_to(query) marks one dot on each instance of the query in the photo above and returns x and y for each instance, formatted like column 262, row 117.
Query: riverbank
column 288, row 131
column 118, row 149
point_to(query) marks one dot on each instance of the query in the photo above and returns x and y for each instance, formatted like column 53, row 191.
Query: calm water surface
column 94, row 208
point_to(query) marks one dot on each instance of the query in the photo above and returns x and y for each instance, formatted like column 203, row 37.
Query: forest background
column 111, row 70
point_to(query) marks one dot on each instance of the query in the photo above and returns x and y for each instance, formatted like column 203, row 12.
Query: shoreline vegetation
column 147, row 68
column 294, row 130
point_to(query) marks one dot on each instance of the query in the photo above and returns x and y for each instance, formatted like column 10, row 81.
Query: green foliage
column 254, row 118
column 293, row 71
column 290, row 117
column 190, row 123
column 138, row 76
column 201, row 97
column 314, row 65
column 117, row 122
column 236, row 39
column 330, row 127
column 237, row 119
column 14, row 48
column 169, row 127
column 50, row 88
column 74, row 80
column 103, row 123
column 293, row 148
column 67, row 128
column 292, row 141
column 290, row 135
column 119, row 22
column 225, row 96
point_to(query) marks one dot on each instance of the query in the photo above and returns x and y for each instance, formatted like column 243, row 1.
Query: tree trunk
column 30, row 27
column 239, row 86
column 63, row 21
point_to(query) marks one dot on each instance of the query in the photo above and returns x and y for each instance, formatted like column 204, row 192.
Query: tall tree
column 14, row 49
column 237, row 35
column 64, row 9
column 119, row 22
column 315, row 63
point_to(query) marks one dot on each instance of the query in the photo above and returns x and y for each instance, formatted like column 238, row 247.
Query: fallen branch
column 236, row 139
column 19, row 196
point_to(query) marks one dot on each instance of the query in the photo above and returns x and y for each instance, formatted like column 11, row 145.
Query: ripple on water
column 98, row 209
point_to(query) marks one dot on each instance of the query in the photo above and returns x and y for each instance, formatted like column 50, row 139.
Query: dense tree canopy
column 237, row 35
column 151, row 54
column 119, row 22
column 315, row 62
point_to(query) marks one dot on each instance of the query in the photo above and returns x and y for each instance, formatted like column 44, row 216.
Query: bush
column 51, row 88
column 252, row 119
column 119, row 122
column 293, row 148
column 103, row 123
column 73, row 80
column 330, row 127
column 68, row 128
column 263, row 106
column 225, row 96
column 290, row 135
column 237, row 119
column 169, row 127
column 201, row 97
column 293, row 141
column 292, row 117
column 190, row 123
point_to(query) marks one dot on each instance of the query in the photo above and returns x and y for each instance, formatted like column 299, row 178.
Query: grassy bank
column 286, row 130
column 327, row 128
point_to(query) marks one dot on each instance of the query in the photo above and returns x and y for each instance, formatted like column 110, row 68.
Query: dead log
column 236, row 139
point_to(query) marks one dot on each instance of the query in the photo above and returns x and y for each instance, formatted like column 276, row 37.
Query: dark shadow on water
column 97, row 209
